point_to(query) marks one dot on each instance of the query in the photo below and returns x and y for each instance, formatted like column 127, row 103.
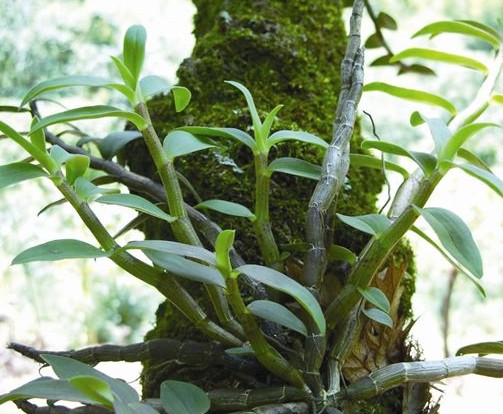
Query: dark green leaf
column 484, row 348
column 136, row 202
column 181, row 97
column 153, row 85
column 63, row 82
column 386, row 21
column 223, row 244
column 183, row 398
column 483, row 175
column 455, row 237
column 376, row 297
column 373, row 224
column 373, row 41
column 180, row 249
column 76, row 166
column 460, row 27
column 381, row 61
column 19, row 171
column 59, row 250
column 14, row 109
column 417, row 69
column 89, row 191
column 472, row 159
column 89, row 112
column 134, row 50
column 231, row 133
column 437, row 55
column 379, row 316
column 294, row 166
column 227, row 207
column 411, row 95
column 341, row 253
column 185, row 268
column 277, row 313
column 301, row 136
column 362, row 160
column 283, row 283
column 114, row 142
column 95, row 388
column 178, row 143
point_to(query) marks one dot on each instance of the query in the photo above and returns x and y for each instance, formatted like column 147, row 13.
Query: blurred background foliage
column 73, row 303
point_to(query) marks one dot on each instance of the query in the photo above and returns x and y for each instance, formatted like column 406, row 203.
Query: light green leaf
column 455, row 237
column 341, row 253
column 440, row 56
column 125, row 73
column 460, row 136
column 497, row 99
column 460, row 27
column 373, row 224
column 301, row 136
column 283, row 283
column 19, row 171
column 181, row 97
column 153, row 85
column 274, row 312
column 179, row 397
column 379, row 316
column 231, row 133
column 482, row 348
column 89, row 191
column 181, row 249
column 47, row 389
column 89, row 112
column 362, row 160
column 268, row 121
column 227, row 207
column 257, row 124
column 294, row 166
column 427, row 162
column 63, row 82
column 134, row 50
column 76, row 166
column 185, row 268
column 59, row 250
column 114, row 142
column 178, row 143
column 223, row 244
column 411, row 95
column 95, row 388
column 483, row 27
column 136, row 202
column 376, row 297
column 472, row 159
column 488, row 178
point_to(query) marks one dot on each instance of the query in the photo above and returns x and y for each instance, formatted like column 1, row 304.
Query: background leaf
column 136, row 202
column 277, row 313
column 179, row 397
column 484, row 348
column 19, row 171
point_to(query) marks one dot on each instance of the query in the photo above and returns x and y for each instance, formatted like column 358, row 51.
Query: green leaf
column 125, row 73
column 257, row 124
column 455, row 237
column 134, row 50
column 19, row 171
column 381, row 61
column 227, row 207
column 181, row 249
column 417, row 69
column 95, row 388
column 437, row 55
column 376, row 297
column 373, row 224
column 59, row 250
column 497, row 99
column 67, row 368
column 362, row 160
column 294, row 166
column 472, row 159
column 461, row 136
column 223, row 244
column 439, row 131
column 374, row 41
column 114, row 142
column 76, row 166
column 283, row 283
column 89, row 112
column 47, row 389
column 136, row 202
column 231, row 133
column 460, row 27
column 274, row 312
column 89, row 191
column 379, row 316
column 483, row 348
column 181, row 97
column 427, row 162
column 179, row 397
column 341, row 253
column 38, row 138
column 63, row 82
column 153, row 85
column 60, row 155
column 411, row 95
column 185, row 268
column 268, row 121
column 179, row 143
column 483, row 27
column 488, row 178
column 384, row 20
column 301, row 136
